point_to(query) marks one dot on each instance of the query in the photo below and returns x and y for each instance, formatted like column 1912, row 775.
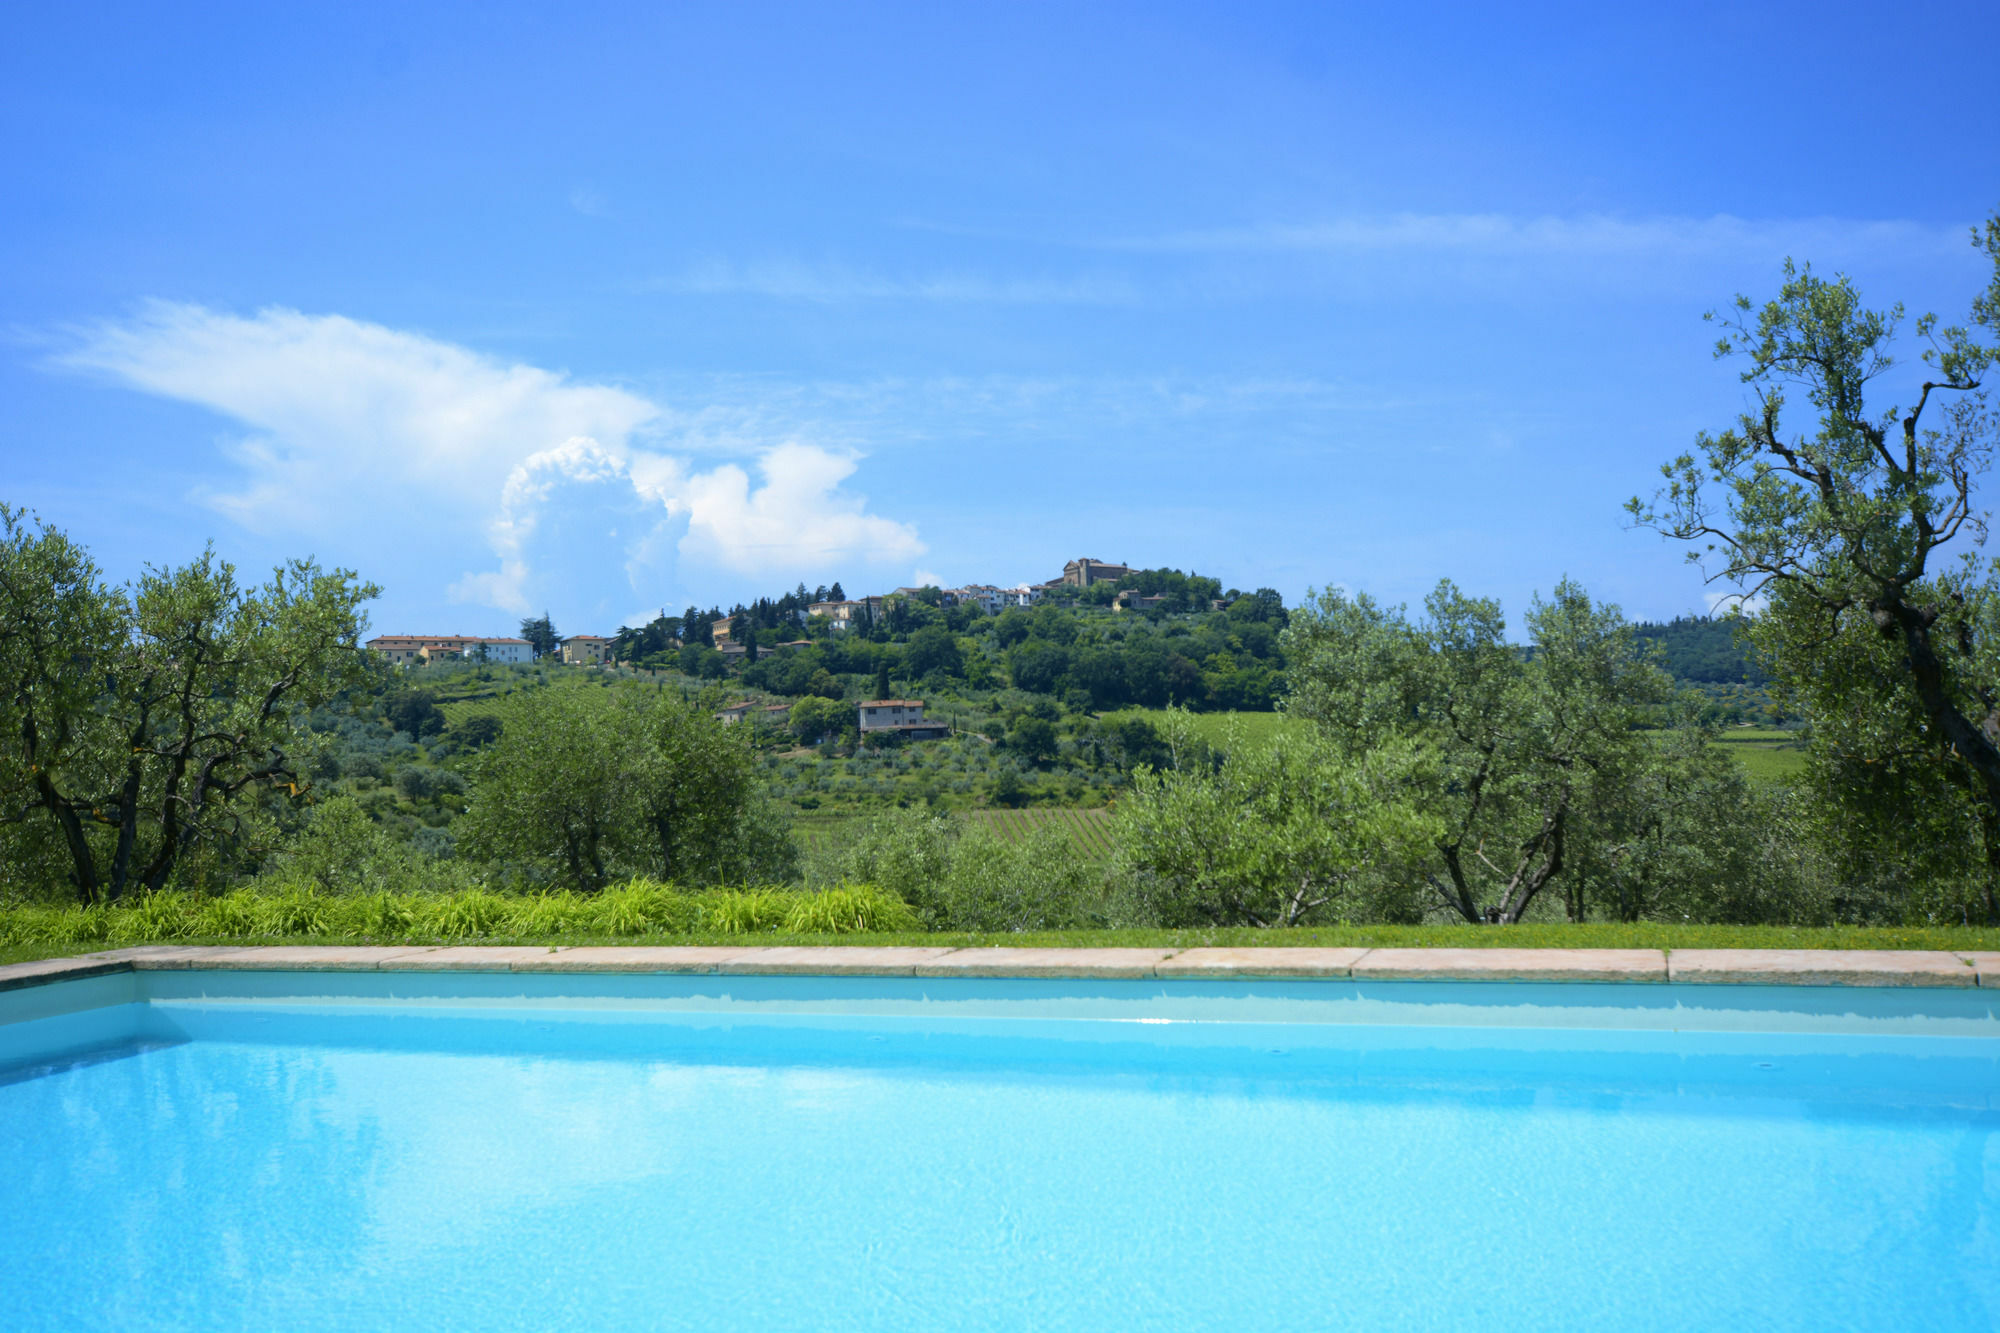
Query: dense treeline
column 1708, row 650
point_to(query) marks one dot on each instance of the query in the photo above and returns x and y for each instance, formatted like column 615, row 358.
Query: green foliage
column 1705, row 649
column 1034, row 739
column 466, row 915
column 1537, row 766
column 1279, row 834
column 814, row 719
column 1846, row 527
column 147, row 731
column 933, row 649
column 586, row 785
column 288, row 910
column 540, row 632
column 642, row 907
column 848, row 910
column 414, row 712
column 960, row 877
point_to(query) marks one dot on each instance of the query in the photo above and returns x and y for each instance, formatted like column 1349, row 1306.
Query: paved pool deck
column 1753, row 967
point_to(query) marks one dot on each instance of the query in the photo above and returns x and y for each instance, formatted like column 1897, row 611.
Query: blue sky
column 611, row 308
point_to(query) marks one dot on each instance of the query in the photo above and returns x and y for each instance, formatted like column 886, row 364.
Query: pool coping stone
column 890, row 960
column 1762, row 967
column 1002, row 961
column 1273, row 961
column 1821, row 967
column 682, row 959
column 1625, row 965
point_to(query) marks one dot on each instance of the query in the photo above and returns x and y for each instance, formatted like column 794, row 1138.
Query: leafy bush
column 968, row 879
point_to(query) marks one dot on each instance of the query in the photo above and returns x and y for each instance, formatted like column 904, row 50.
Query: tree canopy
column 142, row 724
column 1855, row 527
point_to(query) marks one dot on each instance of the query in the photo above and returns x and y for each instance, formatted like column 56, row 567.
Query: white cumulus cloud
column 352, row 426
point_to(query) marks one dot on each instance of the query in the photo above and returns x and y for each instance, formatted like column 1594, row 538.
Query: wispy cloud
column 357, row 427
column 834, row 283
column 1590, row 234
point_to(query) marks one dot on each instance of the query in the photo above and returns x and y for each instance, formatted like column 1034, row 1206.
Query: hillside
column 1704, row 650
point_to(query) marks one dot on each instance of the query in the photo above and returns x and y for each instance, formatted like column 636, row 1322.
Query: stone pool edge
column 1754, row 967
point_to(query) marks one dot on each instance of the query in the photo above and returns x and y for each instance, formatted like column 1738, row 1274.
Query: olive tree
column 1530, row 752
column 1853, row 527
column 1276, row 834
column 140, row 724
column 588, row 784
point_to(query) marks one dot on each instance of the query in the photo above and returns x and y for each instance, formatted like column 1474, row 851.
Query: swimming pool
column 276, row 1150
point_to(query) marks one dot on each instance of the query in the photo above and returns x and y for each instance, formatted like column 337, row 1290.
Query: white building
column 412, row 649
column 983, row 595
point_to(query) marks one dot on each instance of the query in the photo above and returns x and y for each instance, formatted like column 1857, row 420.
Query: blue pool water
column 264, row 1151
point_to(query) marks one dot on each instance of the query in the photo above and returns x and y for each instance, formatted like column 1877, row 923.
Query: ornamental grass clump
column 643, row 907
column 231, row 914
column 295, row 911
column 744, row 912
column 155, row 916
column 849, row 909
column 285, row 908
column 460, row 916
column 557, row 913
column 380, row 915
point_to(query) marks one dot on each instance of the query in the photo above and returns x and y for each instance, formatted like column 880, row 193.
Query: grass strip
column 1557, row 935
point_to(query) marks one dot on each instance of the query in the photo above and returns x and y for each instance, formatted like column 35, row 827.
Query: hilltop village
column 717, row 645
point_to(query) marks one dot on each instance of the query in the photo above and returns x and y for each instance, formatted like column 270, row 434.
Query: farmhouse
column 585, row 649
column 903, row 716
